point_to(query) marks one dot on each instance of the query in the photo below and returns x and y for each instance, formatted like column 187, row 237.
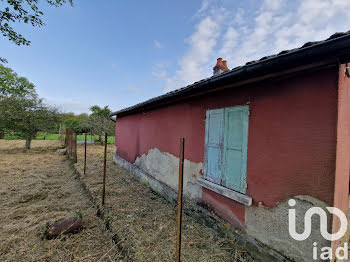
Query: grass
column 145, row 223
column 38, row 188
column 47, row 136
column 42, row 136
column 110, row 139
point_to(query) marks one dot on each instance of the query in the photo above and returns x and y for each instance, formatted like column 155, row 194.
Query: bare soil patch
column 16, row 146
column 38, row 187
column 144, row 223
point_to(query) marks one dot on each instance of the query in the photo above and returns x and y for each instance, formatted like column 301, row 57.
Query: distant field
column 45, row 136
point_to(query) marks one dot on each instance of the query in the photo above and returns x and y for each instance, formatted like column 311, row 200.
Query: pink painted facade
column 298, row 139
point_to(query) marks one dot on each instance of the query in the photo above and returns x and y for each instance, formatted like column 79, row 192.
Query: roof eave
column 328, row 52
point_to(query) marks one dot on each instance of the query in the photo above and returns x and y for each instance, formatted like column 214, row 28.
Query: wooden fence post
column 71, row 144
column 75, row 153
column 179, row 201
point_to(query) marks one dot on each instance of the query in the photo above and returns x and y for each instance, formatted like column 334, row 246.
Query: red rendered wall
column 341, row 199
column 229, row 210
column 341, row 187
column 291, row 140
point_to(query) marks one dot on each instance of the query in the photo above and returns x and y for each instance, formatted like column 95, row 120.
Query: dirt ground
column 144, row 223
column 39, row 187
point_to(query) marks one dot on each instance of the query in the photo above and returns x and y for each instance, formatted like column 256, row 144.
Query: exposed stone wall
column 145, row 178
column 165, row 168
column 256, row 248
column 270, row 226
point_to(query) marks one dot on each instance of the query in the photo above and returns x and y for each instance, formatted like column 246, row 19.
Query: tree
column 23, row 11
column 26, row 116
column 3, row 60
column 99, row 111
column 78, row 123
column 100, row 123
column 13, row 85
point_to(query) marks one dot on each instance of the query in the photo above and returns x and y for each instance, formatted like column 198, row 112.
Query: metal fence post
column 104, row 171
column 179, row 201
column 85, row 156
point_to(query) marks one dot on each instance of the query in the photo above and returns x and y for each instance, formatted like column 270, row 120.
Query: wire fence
column 71, row 147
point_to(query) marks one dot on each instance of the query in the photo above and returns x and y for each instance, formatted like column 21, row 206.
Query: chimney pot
column 220, row 67
column 225, row 64
column 219, row 60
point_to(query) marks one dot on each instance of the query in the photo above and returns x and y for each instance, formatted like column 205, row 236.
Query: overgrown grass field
column 47, row 136
column 37, row 188
column 41, row 186
column 145, row 223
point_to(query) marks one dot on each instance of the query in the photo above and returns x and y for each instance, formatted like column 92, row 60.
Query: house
column 255, row 136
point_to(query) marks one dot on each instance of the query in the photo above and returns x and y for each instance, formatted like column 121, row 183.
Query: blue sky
column 119, row 53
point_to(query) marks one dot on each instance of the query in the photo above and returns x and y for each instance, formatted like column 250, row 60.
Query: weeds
column 39, row 187
column 107, row 222
column 79, row 214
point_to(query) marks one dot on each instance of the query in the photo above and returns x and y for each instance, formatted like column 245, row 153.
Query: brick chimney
column 225, row 65
column 220, row 67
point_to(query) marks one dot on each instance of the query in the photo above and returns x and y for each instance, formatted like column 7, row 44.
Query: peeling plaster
column 312, row 200
column 270, row 226
column 165, row 168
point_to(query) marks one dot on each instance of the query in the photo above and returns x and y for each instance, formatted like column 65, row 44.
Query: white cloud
column 229, row 42
column 159, row 71
column 272, row 4
column 203, row 8
column 69, row 105
column 279, row 25
column 239, row 17
column 157, row 44
column 194, row 64
column 160, row 74
column 201, row 43
column 240, row 35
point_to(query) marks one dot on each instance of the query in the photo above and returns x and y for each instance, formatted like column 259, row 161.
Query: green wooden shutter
column 235, row 148
column 214, row 135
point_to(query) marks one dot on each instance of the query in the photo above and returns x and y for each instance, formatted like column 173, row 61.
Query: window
column 226, row 140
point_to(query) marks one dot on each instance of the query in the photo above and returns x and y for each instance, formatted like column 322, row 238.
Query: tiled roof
column 336, row 46
column 308, row 44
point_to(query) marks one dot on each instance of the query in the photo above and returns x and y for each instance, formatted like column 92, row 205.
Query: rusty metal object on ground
column 65, row 226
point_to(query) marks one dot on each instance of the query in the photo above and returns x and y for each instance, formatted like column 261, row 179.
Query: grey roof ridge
column 307, row 46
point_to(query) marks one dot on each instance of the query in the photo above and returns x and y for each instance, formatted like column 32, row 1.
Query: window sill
column 234, row 195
